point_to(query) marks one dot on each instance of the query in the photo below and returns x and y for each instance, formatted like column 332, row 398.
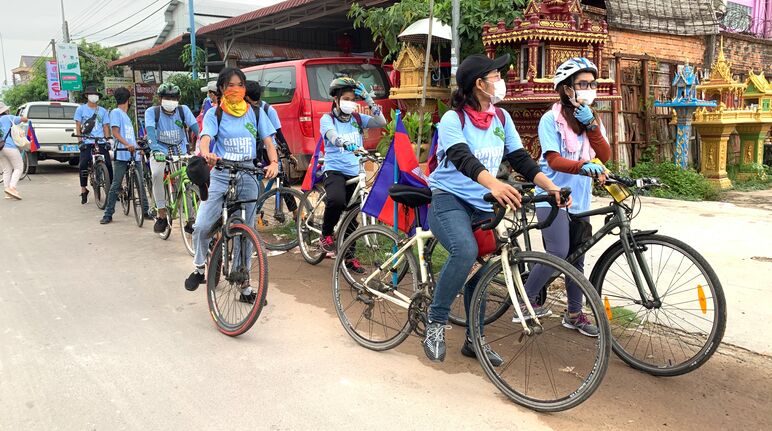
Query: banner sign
column 54, row 89
column 69, row 66
column 113, row 82
column 143, row 99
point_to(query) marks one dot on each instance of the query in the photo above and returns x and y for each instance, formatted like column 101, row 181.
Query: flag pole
column 397, row 114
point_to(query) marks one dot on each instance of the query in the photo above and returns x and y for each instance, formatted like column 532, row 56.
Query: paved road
column 96, row 332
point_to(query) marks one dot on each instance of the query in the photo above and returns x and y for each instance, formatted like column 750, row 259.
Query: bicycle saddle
column 410, row 196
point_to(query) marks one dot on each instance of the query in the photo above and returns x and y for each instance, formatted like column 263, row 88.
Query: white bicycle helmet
column 572, row 66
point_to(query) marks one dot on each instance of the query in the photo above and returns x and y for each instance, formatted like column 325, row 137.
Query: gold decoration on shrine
column 410, row 65
column 758, row 91
column 721, row 86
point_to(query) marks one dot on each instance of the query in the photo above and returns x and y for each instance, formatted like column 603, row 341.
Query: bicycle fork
column 639, row 267
column 517, row 283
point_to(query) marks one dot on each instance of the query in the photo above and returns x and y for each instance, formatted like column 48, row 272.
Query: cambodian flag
column 378, row 203
column 431, row 162
column 34, row 145
column 311, row 177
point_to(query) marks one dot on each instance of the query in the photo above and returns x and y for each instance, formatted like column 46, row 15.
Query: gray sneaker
column 493, row 357
column 581, row 323
column 434, row 343
column 537, row 309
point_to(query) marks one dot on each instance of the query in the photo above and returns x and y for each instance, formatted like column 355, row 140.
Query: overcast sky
column 33, row 23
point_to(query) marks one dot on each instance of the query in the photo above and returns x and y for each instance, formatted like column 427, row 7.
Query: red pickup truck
column 299, row 90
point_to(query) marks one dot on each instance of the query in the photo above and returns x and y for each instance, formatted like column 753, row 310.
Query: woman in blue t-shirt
column 11, row 162
column 234, row 137
column 468, row 153
column 571, row 136
column 342, row 129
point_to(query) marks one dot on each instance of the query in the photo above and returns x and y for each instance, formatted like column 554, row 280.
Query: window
column 51, row 112
column 320, row 76
column 278, row 84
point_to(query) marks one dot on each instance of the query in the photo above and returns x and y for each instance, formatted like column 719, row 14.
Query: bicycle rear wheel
column 101, row 184
column 546, row 367
column 309, row 225
column 680, row 334
column 374, row 317
column 237, row 281
column 187, row 217
column 277, row 211
column 124, row 194
column 136, row 198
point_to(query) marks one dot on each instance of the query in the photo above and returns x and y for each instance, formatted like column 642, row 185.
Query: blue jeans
column 211, row 210
column 560, row 238
column 450, row 220
column 119, row 170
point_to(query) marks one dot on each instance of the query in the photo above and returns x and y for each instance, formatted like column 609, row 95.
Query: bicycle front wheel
column 101, row 185
column 374, row 312
column 277, row 211
column 237, row 280
column 187, row 217
column 136, row 198
column 680, row 333
column 309, row 225
column 124, row 194
column 549, row 366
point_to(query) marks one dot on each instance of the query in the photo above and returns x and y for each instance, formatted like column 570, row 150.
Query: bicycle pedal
column 365, row 299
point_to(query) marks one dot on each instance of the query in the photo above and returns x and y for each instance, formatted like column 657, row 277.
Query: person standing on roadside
column 91, row 120
column 11, row 162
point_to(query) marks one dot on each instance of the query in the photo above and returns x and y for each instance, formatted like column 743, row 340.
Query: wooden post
column 645, row 95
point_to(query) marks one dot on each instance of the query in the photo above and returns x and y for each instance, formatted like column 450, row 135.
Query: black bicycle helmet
column 342, row 83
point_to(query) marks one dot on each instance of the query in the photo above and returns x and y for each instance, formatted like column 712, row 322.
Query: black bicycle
column 663, row 300
column 98, row 174
column 237, row 274
column 130, row 193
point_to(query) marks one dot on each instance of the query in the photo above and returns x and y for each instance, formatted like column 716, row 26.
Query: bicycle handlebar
column 500, row 211
column 237, row 166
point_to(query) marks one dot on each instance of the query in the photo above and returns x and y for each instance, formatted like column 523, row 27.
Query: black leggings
column 338, row 195
column 85, row 162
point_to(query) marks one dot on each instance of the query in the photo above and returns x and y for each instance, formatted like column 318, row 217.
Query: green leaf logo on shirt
column 252, row 129
column 178, row 123
column 498, row 131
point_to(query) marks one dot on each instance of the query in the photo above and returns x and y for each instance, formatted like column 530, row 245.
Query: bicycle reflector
column 701, row 297
column 607, row 306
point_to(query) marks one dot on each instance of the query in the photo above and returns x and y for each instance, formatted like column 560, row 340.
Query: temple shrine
column 550, row 32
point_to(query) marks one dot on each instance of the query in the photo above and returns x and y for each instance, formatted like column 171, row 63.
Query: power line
column 83, row 17
column 139, row 22
column 120, row 21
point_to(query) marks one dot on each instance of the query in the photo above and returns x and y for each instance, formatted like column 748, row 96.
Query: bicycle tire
column 214, row 274
column 25, row 170
column 168, row 231
column 349, row 217
column 552, row 332
column 277, row 227
column 101, row 185
column 341, row 298
column 670, row 366
column 308, row 239
column 192, row 200
column 136, row 200
column 124, row 194
column 147, row 178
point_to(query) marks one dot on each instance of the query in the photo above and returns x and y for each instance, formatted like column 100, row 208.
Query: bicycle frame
column 180, row 176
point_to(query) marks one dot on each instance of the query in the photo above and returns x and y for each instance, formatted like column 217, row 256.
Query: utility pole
column 5, row 69
column 455, row 48
column 65, row 29
column 191, row 13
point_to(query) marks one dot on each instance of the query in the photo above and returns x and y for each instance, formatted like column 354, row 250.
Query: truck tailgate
column 55, row 132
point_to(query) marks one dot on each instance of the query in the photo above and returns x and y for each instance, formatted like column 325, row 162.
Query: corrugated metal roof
column 150, row 51
column 695, row 17
column 251, row 16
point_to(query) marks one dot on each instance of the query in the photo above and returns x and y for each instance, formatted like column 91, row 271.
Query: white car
column 54, row 127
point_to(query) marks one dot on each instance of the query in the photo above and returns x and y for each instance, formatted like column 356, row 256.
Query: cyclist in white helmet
column 571, row 136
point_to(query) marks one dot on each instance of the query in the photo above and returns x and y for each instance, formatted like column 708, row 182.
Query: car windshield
column 320, row 76
column 51, row 112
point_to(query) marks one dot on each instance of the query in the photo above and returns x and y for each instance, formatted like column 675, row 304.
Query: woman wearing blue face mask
column 571, row 136
column 234, row 129
column 342, row 129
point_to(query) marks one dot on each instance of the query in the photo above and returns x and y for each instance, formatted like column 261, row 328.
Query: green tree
column 93, row 65
column 387, row 23
column 190, row 90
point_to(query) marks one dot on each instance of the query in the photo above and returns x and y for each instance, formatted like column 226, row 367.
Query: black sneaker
column 493, row 357
column 248, row 296
column 84, row 198
column 195, row 279
column 434, row 343
column 105, row 220
column 160, row 225
column 148, row 216
column 189, row 227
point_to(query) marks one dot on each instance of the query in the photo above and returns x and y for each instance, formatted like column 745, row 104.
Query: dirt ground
column 733, row 389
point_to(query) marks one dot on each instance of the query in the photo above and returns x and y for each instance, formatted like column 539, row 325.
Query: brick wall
column 745, row 52
column 661, row 46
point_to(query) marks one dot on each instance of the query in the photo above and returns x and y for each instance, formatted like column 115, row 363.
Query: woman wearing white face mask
column 166, row 132
column 342, row 129
column 571, row 136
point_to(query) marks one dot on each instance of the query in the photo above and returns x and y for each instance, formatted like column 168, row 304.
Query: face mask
column 499, row 91
column 586, row 97
column 93, row 98
column 235, row 94
column 233, row 101
column 169, row 105
column 347, row 106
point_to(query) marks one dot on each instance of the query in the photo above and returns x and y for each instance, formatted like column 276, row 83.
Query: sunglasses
column 584, row 85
